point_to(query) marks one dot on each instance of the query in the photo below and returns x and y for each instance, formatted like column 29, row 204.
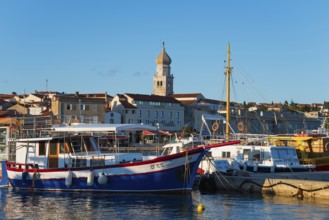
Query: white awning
column 79, row 127
column 213, row 117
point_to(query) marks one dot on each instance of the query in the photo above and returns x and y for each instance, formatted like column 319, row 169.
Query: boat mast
column 228, row 80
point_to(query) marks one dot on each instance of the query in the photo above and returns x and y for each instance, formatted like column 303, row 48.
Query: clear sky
column 279, row 48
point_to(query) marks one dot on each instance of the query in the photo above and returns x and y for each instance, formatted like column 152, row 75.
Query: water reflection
column 53, row 205
column 48, row 205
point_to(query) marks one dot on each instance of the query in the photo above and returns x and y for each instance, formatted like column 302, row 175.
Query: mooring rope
column 218, row 175
column 187, row 169
column 283, row 183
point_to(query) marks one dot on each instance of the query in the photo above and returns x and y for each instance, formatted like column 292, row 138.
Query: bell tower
column 163, row 81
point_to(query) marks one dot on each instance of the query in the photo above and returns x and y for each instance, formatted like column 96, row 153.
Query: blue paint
column 4, row 179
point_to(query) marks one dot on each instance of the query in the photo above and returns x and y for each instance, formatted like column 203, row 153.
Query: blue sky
column 279, row 49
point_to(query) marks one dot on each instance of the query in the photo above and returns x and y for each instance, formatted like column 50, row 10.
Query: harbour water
column 54, row 205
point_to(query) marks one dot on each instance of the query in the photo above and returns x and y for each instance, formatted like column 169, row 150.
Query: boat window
column 291, row 154
column 275, row 154
column 52, row 148
column 89, row 145
column 62, row 149
column 256, row 155
column 266, row 155
column 166, row 151
column 226, row 154
column 42, row 148
column 282, row 154
column 246, row 154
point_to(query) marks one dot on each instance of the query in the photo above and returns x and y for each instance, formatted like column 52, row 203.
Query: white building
column 164, row 111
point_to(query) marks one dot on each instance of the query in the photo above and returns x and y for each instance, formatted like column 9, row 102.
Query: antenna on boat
column 228, row 81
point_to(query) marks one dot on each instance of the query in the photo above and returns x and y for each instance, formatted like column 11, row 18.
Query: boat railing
column 78, row 161
column 32, row 127
column 42, row 126
column 22, row 166
column 86, row 119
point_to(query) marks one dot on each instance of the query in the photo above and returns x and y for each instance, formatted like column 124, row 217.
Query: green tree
column 326, row 105
column 293, row 106
column 262, row 108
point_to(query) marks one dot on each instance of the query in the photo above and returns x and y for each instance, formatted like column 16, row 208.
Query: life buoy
column 215, row 127
column 326, row 146
column 241, row 126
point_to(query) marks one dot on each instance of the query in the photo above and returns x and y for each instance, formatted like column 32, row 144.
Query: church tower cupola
column 163, row 80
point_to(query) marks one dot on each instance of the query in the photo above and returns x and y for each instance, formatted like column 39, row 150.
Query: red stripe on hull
column 322, row 168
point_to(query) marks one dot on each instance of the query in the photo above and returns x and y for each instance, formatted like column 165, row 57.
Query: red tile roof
column 187, row 102
column 7, row 96
column 186, row 95
column 152, row 98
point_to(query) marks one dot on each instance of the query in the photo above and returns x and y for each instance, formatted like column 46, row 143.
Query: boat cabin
column 256, row 158
column 69, row 152
column 180, row 145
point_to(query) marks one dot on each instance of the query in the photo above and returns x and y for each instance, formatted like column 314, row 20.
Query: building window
column 127, row 111
column 139, row 113
column 156, row 114
column 84, row 107
column 70, row 107
column 177, row 114
column 148, row 113
column 162, row 114
column 170, row 114
column 155, row 103
column 132, row 111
